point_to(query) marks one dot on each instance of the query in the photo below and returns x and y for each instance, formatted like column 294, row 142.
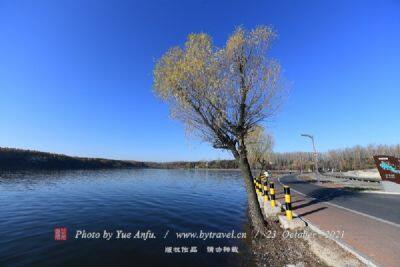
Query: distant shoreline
column 12, row 159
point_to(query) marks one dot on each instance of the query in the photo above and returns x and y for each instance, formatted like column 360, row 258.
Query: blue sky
column 76, row 76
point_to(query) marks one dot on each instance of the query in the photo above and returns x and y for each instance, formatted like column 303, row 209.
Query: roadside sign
column 388, row 167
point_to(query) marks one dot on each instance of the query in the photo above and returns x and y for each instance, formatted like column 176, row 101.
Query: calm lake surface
column 164, row 202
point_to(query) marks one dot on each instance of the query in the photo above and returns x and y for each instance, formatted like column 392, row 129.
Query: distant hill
column 19, row 159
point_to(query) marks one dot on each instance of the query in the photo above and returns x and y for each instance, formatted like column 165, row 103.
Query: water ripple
column 32, row 204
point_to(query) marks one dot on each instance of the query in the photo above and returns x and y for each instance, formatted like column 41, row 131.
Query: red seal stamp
column 60, row 234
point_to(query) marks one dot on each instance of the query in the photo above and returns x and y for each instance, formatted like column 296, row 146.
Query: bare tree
column 353, row 158
column 221, row 94
column 259, row 146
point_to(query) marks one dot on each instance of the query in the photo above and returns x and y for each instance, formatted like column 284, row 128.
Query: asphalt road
column 386, row 207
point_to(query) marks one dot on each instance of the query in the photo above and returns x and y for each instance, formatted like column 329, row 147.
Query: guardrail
column 335, row 175
column 354, row 178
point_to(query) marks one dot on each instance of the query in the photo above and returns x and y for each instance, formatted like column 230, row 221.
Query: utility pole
column 315, row 155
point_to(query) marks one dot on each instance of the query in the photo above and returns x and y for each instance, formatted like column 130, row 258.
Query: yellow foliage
column 207, row 87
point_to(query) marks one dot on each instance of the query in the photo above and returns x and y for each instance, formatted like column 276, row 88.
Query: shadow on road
column 297, row 201
column 311, row 211
column 321, row 194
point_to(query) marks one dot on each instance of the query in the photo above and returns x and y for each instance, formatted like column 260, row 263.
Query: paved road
column 370, row 223
column 386, row 207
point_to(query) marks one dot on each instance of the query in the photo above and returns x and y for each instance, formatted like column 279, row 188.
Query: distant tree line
column 19, row 159
column 213, row 164
column 354, row 158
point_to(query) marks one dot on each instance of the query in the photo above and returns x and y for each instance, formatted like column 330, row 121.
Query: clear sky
column 76, row 76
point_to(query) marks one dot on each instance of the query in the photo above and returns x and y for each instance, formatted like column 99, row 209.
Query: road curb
column 363, row 258
column 360, row 256
column 378, row 192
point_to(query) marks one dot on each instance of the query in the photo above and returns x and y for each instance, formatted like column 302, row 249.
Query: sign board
column 389, row 168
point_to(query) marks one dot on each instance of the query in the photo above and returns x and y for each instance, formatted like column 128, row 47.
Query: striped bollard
column 265, row 191
column 272, row 194
column 266, row 186
column 288, row 203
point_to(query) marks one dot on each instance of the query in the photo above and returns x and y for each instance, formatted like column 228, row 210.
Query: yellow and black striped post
column 267, row 184
column 265, row 191
column 288, row 203
column 272, row 194
column 259, row 186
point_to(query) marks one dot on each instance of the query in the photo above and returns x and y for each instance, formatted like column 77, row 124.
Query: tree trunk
column 255, row 214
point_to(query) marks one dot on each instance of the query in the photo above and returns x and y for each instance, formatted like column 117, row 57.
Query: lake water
column 164, row 202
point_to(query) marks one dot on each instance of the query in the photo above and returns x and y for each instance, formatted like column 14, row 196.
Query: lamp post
column 315, row 155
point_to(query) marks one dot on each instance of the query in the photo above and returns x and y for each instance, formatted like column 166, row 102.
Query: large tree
column 222, row 94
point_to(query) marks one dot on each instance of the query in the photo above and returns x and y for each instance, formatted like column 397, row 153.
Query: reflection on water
column 33, row 204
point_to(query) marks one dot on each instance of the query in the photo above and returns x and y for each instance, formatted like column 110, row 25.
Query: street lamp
column 315, row 154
